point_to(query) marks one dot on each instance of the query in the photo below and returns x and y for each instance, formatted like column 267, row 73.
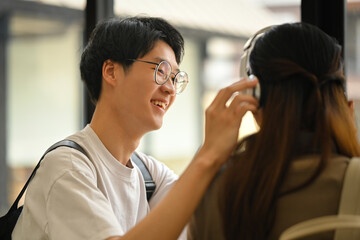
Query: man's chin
column 157, row 125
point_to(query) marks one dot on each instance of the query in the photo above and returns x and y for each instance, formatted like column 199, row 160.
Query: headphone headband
column 247, row 49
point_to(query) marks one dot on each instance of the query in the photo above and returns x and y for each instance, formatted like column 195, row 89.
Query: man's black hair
column 120, row 40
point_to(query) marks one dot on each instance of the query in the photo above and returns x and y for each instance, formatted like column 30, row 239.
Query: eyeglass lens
column 181, row 81
column 163, row 72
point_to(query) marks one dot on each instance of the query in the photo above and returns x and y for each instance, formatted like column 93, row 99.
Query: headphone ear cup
column 243, row 64
column 257, row 91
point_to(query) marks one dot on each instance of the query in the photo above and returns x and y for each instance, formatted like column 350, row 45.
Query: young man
column 130, row 68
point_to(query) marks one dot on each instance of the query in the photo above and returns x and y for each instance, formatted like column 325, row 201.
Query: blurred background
column 42, row 98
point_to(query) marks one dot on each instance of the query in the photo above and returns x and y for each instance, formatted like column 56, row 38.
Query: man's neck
column 119, row 139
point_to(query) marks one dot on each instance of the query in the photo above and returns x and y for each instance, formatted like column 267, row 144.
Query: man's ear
column 108, row 72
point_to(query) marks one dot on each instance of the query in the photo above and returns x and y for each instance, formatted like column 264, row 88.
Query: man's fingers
column 224, row 94
column 242, row 99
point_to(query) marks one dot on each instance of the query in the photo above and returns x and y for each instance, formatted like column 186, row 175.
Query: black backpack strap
column 149, row 182
column 67, row 143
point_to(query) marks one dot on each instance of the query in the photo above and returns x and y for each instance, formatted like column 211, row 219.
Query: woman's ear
column 352, row 109
column 258, row 117
column 108, row 72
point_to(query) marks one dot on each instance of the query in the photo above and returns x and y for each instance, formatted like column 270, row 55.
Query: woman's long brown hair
column 302, row 89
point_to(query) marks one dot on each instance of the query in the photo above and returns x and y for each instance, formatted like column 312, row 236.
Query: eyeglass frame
column 156, row 69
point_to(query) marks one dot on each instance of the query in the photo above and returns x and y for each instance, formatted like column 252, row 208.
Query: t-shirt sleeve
column 163, row 176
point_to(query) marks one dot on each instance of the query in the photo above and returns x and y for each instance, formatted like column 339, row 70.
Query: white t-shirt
column 73, row 197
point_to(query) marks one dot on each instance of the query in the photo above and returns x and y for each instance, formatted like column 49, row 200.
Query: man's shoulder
column 151, row 163
column 66, row 159
column 159, row 171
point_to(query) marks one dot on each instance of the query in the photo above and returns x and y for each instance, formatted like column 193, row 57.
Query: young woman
column 292, row 169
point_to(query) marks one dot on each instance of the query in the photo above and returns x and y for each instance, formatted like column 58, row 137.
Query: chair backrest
column 347, row 223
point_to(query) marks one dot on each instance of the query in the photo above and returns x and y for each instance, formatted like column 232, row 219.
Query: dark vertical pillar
column 3, row 102
column 95, row 11
column 327, row 15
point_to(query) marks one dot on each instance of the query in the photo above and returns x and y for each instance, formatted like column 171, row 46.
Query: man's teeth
column 160, row 104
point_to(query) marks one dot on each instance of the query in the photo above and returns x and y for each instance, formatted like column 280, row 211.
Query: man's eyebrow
column 162, row 59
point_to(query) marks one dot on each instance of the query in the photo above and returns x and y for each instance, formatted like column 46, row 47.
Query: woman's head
column 296, row 52
column 300, row 72
column 121, row 40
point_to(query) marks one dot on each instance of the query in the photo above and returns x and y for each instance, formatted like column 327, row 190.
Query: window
column 43, row 87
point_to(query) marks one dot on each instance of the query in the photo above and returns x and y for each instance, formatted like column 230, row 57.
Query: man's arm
column 169, row 217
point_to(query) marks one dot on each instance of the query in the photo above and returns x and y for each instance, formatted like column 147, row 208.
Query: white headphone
column 245, row 71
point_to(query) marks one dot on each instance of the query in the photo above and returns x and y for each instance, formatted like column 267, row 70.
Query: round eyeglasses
column 163, row 72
